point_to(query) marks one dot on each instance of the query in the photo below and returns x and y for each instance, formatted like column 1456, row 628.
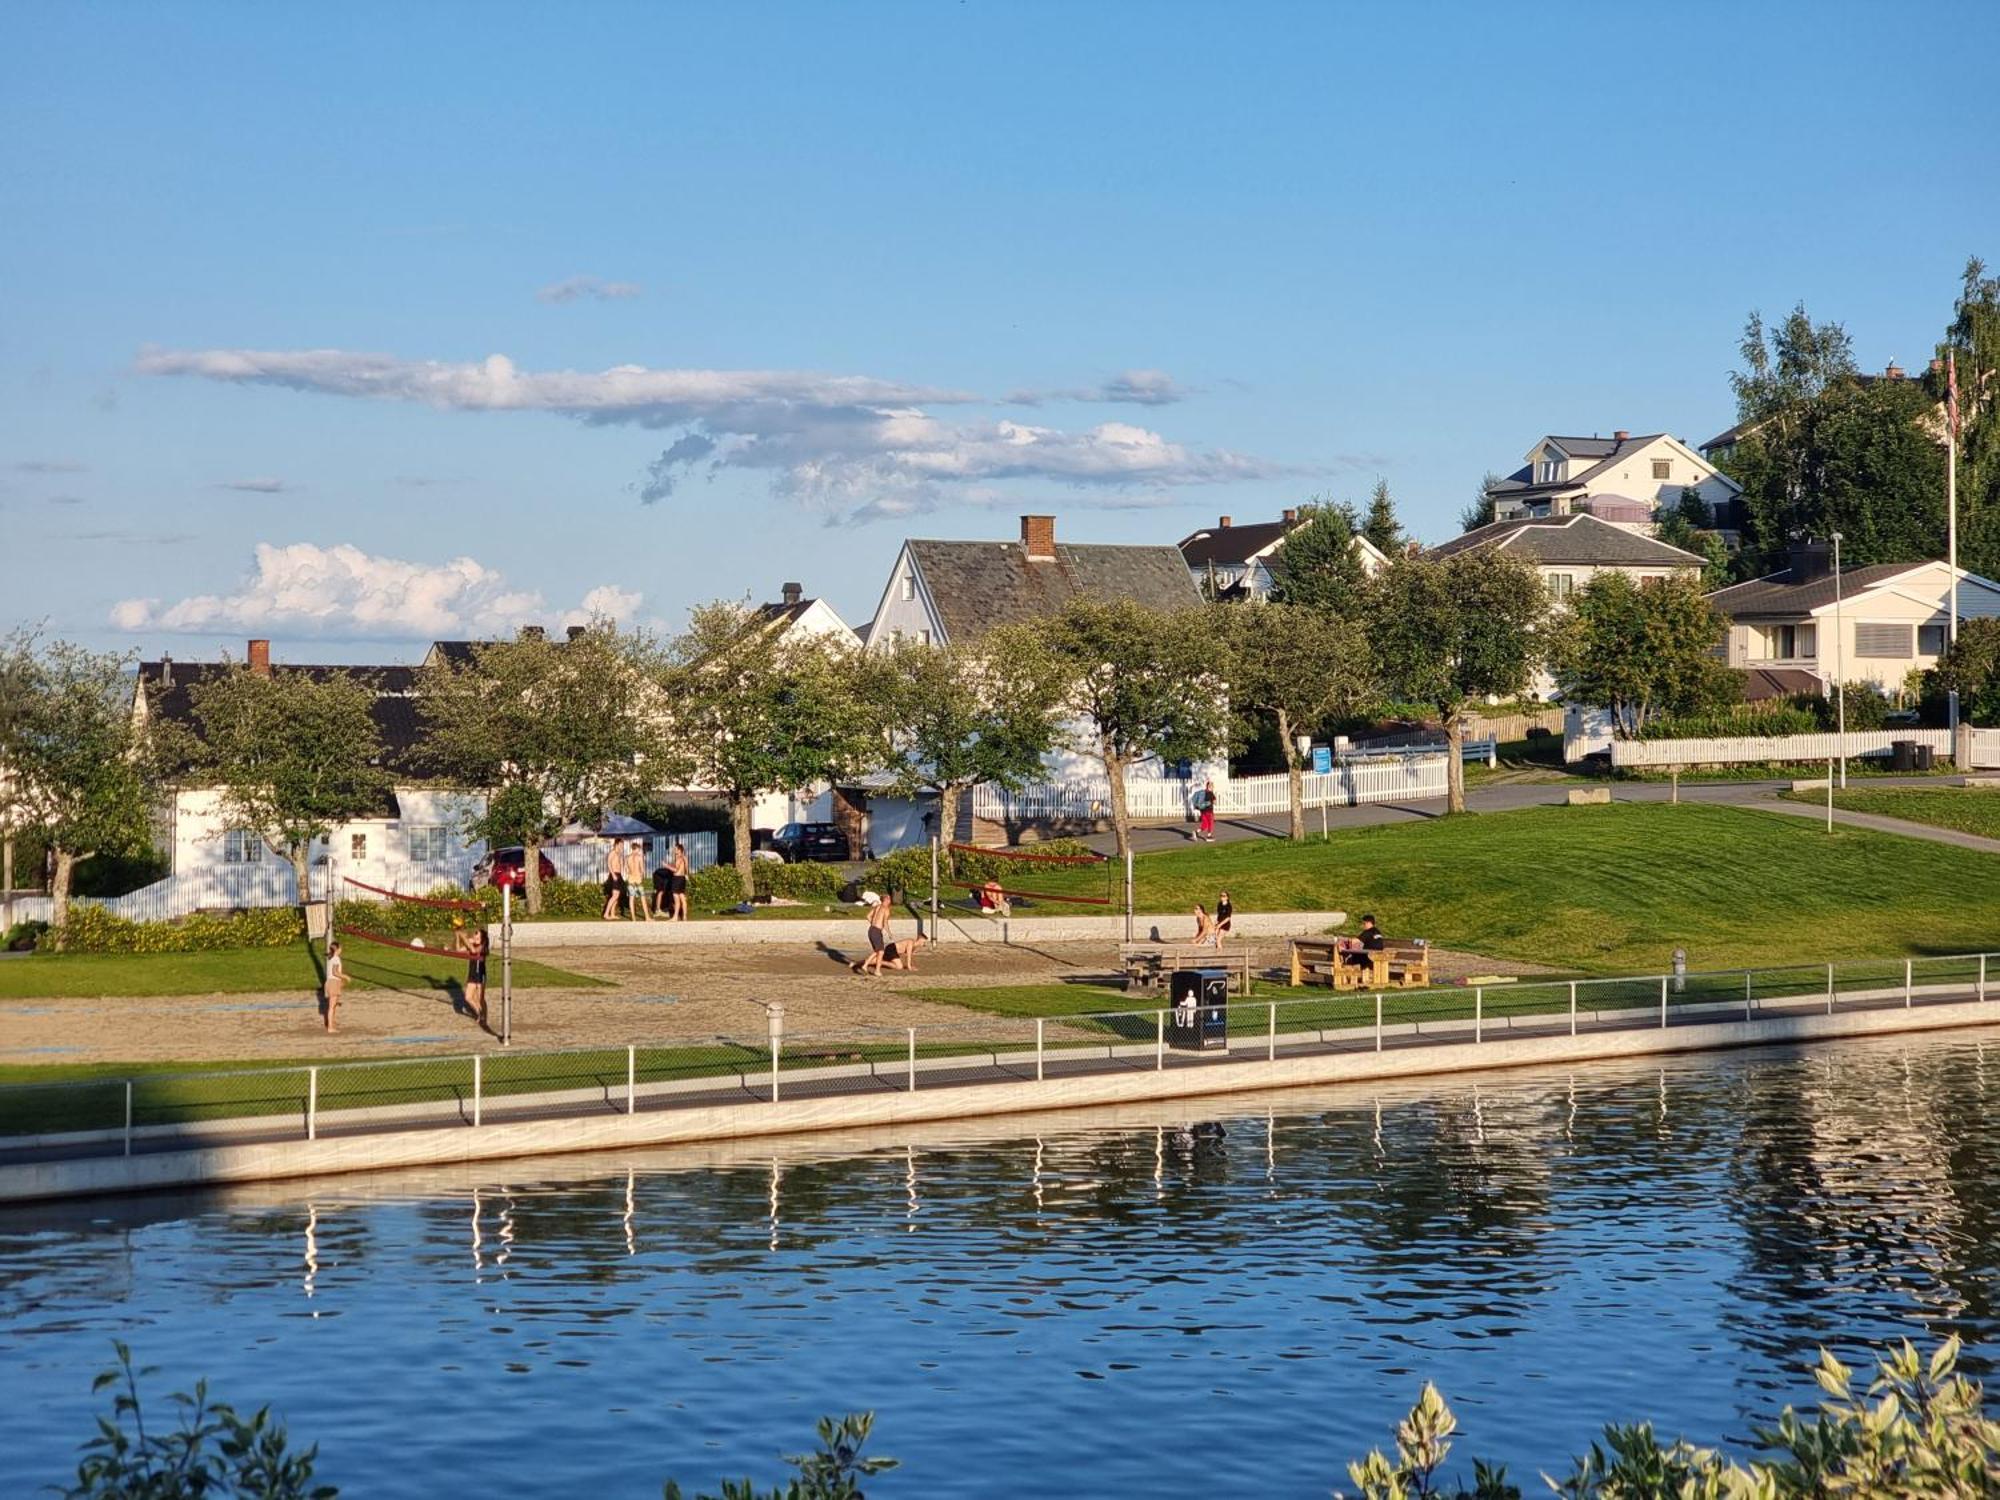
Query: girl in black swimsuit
column 475, row 973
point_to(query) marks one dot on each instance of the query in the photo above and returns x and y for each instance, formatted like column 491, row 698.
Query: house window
column 357, row 846
column 1663, row 468
column 909, row 585
column 430, row 844
column 1548, row 471
column 1562, row 585
column 1930, row 640
column 1891, row 641
column 241, row 846
column 924, row 636
column 1791, row 642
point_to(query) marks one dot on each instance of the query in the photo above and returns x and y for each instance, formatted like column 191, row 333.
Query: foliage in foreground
column 835, row 1472
column 210, row 1451
column 1919, row 1429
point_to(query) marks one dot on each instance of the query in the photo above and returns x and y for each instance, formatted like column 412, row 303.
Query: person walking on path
column 879, row 908
column 677, row 868
column 336, row 983
column 1204, row 802
column 473, row 945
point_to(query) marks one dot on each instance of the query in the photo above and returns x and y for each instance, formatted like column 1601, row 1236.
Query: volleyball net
column 1029, row 862
column 416, row 924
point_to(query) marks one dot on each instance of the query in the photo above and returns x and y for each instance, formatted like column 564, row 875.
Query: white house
column 1796, row 631
column 807, row 617
column 1622, row 479
column 957, row 591
column 1234, row 562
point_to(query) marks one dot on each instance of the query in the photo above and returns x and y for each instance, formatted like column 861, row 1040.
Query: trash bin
column 1199, row 1020
column 1903, row 755
column 1926, row 758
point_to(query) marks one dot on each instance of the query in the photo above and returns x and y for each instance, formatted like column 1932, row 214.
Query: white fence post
column 1160, row 1042
column 1479, row 1013
column 631, row 1080
column 1746, row 994
column 1663, row 1002
column 478, row 1087
column 1909, row 997
column 1378, row 1020
column 1271, row 1036
column 913, row 1059
column 1829, row 989
column 312, row 1104
column 1572, row 1007
column 1038, row 1049
column 1982, row 976
column 128, row 1117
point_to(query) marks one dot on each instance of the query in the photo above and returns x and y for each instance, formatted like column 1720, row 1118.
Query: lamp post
column 1840, row 665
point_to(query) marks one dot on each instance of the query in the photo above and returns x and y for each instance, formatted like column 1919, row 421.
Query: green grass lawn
column 1967, row 809
column 1605, row 890
column 235, row 971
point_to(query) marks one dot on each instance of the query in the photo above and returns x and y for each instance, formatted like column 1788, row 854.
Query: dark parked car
column 802, row 841
column 508, row 867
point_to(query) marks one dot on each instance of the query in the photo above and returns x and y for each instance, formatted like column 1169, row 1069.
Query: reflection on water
column 1148, row 1302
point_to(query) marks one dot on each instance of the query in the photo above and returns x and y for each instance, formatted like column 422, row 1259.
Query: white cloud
column 306, row 589
column 258, row 486
column 50, row 466
column 851, row 446
column 576, row 288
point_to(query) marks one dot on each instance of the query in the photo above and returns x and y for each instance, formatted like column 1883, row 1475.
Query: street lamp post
column 1840, row 664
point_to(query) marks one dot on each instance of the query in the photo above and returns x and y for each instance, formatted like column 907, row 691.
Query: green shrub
column 714, row 888
column 92, row 929
column 22, row 936
column 119, row 874
column 1774, row 717
column 800, row 882
column 910, row 869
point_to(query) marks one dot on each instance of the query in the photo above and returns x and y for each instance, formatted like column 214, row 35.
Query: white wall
column 192, row 826
column 912, row 617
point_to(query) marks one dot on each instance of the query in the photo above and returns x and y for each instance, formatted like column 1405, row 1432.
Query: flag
column 1951, row 393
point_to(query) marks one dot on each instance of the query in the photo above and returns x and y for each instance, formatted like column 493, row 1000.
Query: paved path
column 1514, row 796
column 1900, row 826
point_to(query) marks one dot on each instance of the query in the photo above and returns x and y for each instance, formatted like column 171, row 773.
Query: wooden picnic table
column 1147, row 965
column 1393, row 966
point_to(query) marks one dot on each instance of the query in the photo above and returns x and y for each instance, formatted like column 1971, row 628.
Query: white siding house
column 1625, row 480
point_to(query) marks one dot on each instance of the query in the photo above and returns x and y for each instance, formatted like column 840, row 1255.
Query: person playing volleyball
column 473, row 945
column 336, row 982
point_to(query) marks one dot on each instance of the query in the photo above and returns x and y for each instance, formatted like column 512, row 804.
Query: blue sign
column 1322, row 760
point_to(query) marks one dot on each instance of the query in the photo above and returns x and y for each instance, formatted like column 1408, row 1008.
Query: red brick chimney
column 1894, row 372
column 1223, row 523
column 1620, row 435
column 1038, row 537
column 1291, row 515
column 260, row 658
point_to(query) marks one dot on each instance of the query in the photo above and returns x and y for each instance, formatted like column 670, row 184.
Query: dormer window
column 1551, row 468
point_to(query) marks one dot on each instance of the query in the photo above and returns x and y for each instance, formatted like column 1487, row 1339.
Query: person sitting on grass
column 992, row 900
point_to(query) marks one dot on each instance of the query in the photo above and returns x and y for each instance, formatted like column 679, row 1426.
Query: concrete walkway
column 1875, row 821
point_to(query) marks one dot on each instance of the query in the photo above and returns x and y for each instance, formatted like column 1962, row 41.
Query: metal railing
column 157, row 1110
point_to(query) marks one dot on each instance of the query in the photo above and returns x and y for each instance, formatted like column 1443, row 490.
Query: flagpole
column 1951, row 518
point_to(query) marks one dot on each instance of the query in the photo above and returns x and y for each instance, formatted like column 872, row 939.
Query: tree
column 758, row 710
column 955, row 716
column 84, row 777
column 294, row 755
column 1971, row 665
column 1146, row 684
column 1450, row 630
column 1480, row 512
column 1382, row 528
column 1973, row 339
column 553, row 732
column 1643, row 650
column 1296, row 667
column 1319, row 566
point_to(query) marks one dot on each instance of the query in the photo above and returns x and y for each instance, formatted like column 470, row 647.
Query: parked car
column 508, row 867
column 816, row 841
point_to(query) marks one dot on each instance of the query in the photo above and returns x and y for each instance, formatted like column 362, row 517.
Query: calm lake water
column 1178, row 1302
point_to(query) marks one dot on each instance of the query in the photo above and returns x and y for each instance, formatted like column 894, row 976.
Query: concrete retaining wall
column 958, row 926
column 500, row 1141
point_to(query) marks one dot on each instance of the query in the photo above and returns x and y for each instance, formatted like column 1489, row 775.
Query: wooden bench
column 1147, row 965
column 1393, row 966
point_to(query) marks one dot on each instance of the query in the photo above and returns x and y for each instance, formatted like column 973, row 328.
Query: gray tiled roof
column 1580, row 539
column 1606, row 452
column 1777, row 594
column 977, row 586
column 169, row 697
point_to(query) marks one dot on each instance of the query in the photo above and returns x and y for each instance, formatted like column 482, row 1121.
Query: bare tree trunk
column 740, row 804
column 297, row 856
column 59, row 885
column 1121, row 821
column 531, row 871
column 1454, row 757
column 948, row 797
column 1294, row 774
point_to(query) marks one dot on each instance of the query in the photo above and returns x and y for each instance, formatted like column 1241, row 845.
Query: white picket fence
column 1983, row 749
column 1865, row 743
column 1389, row 778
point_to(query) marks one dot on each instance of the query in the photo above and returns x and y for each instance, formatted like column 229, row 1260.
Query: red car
column 508, row 867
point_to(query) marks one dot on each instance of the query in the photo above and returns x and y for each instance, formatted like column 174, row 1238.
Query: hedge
column 92, row 929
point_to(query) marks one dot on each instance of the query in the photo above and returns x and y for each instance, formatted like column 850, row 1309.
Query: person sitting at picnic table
column 1358, row 950
column 993, row 900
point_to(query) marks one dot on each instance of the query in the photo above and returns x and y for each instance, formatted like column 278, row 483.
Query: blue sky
column 306, row 312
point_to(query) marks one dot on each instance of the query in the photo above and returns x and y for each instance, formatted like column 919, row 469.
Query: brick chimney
column 1620, row 435
column 1291, row 514
column 578, row 632
column 1894, row 372
column 1038, row 537
column 533, row 633
column 1223, row 523
column 792, row 592
column 260, row 658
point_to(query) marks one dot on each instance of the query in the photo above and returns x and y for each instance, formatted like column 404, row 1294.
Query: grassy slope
column 1968, row 810
column 235, row 971
column 1610, row 889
